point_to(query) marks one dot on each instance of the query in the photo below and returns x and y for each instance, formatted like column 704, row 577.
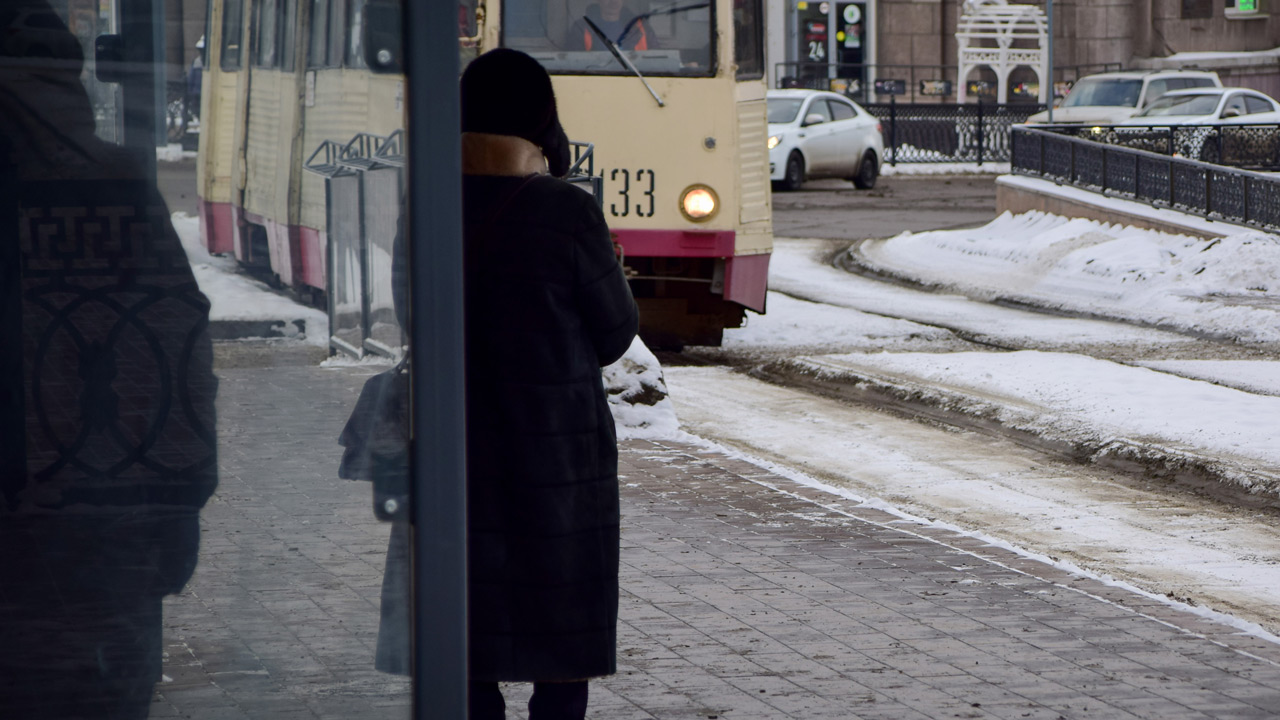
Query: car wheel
column 868, row 171
column 1209, row 152
column 794, row 177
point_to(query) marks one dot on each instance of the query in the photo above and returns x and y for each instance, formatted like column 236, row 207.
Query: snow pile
column 942, row 168
column 1226, row 287
column 173, row 152
column 799, row 325
column 638, row 395
column 1260, row 377
column 234, row 297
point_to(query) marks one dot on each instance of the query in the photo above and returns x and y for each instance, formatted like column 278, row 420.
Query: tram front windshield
column 659, row 38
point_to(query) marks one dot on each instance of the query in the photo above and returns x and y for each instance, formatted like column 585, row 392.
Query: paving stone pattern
column 744, row 595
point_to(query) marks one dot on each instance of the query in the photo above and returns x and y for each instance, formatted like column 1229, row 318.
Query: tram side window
column 748, row 40
column 287, row 36
column 274, row 22
column 660, row 37
column 264, row 22
column 335, row 34
column 232, row 34
column 355, row 34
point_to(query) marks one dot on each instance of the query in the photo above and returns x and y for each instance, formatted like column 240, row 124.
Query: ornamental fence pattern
column 1160, row 180
column 1255, row 147
column 949, row 133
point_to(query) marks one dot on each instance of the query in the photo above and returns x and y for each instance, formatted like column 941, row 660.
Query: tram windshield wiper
column 617, row 54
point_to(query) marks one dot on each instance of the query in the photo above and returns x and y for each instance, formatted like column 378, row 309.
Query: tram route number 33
column 629, row 192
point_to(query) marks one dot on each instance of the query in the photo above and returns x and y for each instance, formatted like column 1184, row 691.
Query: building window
column 1197, row 9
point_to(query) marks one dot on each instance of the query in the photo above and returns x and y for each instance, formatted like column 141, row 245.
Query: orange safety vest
column 641, row 44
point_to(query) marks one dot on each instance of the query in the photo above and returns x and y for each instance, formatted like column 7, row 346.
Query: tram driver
column 617, row 21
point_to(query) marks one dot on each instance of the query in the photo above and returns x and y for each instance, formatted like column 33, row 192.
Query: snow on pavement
column 1225, row 287
column 1255, row 376
column 234, row 296
column 1165, row 543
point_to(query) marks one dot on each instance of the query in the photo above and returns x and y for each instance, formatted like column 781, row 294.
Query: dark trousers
column 550, row 701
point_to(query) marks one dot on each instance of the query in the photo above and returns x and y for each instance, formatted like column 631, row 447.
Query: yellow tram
column 671, row 95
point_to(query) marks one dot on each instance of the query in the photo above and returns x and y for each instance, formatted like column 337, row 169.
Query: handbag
column 376, row 441
column 376, row 436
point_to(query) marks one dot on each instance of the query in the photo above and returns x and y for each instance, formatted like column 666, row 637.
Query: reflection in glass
column 108, row 412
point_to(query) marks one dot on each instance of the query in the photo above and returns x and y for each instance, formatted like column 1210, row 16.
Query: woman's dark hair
column 506, row 92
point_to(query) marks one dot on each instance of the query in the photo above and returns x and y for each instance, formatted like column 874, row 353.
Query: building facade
column 914, row 41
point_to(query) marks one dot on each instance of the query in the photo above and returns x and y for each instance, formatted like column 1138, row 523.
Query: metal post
column 1049, row 12
column 160, row 68
column 893, row 130
column 980, row 137
column 438, row 457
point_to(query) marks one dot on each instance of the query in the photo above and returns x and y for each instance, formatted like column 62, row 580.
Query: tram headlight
column 699, row 203
column 773, row 141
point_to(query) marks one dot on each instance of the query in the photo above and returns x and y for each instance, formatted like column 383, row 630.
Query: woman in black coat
column 547, row 305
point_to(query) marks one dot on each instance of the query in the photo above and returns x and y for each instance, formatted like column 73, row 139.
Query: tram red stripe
column 677, row 243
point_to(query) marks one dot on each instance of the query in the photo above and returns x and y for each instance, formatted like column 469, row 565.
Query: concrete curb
column 257, row 329
column 1232, row 482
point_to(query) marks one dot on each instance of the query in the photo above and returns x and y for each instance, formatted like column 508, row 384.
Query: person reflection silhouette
column 106, row 397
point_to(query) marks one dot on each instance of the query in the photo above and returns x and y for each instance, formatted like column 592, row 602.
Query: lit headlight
column 773, row 141
column 699, row 203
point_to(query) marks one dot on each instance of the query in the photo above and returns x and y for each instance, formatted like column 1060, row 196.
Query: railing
column 1256, row 147
column 583, row 170
column 922, row 83
column 948, row 133
column 1210, row 191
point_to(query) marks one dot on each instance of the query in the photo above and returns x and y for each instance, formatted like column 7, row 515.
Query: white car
column 1111, row 98
column 818, row 134
column 1209, row 106
column 1244, row 146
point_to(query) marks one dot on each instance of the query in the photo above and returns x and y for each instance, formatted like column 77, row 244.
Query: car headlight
column 699, row 203
column 773, row 141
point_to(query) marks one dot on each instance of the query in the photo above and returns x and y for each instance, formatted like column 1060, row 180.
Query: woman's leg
column 558, row 701
column 485, row 702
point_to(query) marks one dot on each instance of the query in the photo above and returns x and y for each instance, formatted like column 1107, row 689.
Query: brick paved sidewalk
column 744, row 595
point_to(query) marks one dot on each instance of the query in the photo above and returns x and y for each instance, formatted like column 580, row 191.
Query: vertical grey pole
column 1049, row 12
column 438, row 456
column 160, row 67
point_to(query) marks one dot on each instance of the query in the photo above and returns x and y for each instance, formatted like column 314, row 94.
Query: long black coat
column 547, row 307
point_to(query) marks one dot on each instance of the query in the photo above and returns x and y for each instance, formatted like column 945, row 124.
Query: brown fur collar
column 508, row 155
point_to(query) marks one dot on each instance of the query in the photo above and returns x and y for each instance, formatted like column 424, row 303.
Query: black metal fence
column 948, row 133
column 1255, row 147
column 1190, row 186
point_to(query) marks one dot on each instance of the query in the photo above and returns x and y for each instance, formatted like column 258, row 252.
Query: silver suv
column 1108, row 98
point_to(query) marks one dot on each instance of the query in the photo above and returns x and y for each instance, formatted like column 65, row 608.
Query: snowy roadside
column 244, row 308
column 241, row 307
column 1203, row 421
column 1203, row 435
column 1226, row 287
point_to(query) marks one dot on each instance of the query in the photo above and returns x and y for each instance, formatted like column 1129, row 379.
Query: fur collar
column 506, row 155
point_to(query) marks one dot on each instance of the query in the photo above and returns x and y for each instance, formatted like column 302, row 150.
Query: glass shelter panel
column 194, row 519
